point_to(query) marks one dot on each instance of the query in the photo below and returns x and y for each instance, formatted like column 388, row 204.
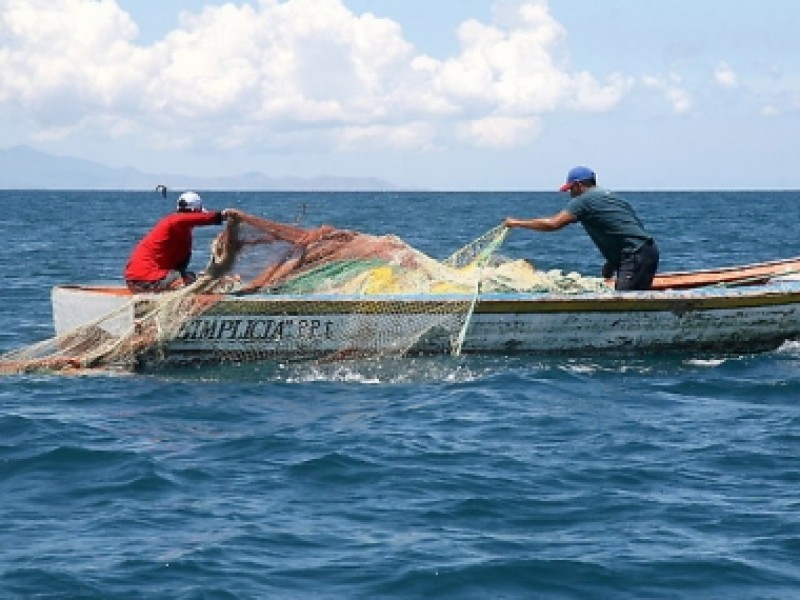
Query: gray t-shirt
column 610, row 221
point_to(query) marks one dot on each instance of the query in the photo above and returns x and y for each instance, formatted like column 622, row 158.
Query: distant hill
column 22, row 167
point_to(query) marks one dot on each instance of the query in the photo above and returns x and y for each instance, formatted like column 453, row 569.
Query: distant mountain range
column 22, row 167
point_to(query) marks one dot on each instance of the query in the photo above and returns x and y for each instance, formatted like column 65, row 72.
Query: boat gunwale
column 712, row 297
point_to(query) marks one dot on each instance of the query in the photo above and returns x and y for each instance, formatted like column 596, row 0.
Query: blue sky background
column 446, row 95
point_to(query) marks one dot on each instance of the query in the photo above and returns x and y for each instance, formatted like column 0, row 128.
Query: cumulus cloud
column 63, row 60
column 277, row 72
column 518, row 69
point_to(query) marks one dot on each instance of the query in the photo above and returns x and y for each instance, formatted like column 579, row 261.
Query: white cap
column 190, row 201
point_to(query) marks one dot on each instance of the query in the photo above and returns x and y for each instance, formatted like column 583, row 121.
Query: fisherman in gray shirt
column 613, row 225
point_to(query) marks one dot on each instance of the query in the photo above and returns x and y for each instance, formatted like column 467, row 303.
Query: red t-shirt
column 168, row 246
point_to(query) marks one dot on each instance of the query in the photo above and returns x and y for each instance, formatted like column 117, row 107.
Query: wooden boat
column 754, row 274
column 737, row 309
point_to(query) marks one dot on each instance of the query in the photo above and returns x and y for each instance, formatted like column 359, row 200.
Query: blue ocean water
column 443, row 477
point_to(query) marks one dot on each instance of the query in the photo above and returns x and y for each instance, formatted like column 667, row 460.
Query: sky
column 426, row 94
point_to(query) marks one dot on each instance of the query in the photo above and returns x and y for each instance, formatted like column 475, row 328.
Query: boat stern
column 110, row 307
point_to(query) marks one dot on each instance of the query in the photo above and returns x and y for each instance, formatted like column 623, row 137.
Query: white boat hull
column 266, row 327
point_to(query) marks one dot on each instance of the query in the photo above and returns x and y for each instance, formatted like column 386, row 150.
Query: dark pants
column 638, row 267
column 171, row 281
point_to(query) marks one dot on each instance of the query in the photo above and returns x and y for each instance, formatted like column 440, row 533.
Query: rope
column 496, row 237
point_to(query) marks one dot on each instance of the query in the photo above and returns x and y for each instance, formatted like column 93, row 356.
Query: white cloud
column 411, row 136
column 593, row 96
column 64, row 60
column 672, row 88
column 261, row 74
column 519, row 69
column 725, row 76
column 500, row 132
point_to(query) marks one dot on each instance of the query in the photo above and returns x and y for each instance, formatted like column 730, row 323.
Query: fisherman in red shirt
column 160, row 260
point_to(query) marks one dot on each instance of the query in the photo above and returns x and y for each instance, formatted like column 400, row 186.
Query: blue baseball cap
column 577, row 174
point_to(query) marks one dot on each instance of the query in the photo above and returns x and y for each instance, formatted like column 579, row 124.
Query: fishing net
column 291, row 292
